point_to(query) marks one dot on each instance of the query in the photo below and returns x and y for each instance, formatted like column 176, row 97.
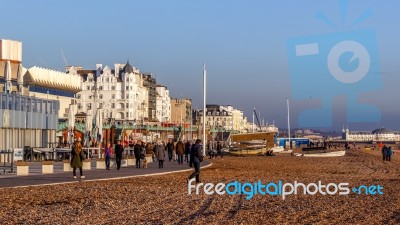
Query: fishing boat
column 327, row 154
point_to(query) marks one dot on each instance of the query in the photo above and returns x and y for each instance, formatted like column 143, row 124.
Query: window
column 127, row 96
column 112, row 105
column 101, row 96
column 127, row 88
column 113, row 96
column 100, row 88
column 127, row 105
column 127, row 114
column 78, row 96
column 113, row 88
column 89, row 106
column 90, row 79
column 100, row 105
column 88, row 88
column 79, row 106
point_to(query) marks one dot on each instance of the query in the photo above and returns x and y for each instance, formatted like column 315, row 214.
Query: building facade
column 119, row 93
column 163, row 104
column 151, row 84
column 181, row 110
column 219, row 117
column 24, row 120
column 11, row 70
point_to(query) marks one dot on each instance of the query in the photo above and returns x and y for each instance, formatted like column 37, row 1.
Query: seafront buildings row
column 54, row 107
column 45, row 108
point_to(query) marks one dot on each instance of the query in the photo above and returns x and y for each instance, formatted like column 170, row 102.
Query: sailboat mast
column 204, row 109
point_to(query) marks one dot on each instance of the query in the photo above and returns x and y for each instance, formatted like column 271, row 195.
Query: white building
column 53, row 85
column 163, row 104
column 222, row 117
column 377, row 135
column 119, row 93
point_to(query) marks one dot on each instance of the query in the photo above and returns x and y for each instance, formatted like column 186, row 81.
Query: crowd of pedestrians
column 181, row 152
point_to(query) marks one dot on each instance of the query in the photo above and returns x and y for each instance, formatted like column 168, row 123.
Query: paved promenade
column 35, row 177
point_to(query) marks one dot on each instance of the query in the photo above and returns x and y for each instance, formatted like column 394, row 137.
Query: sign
column 18, row 154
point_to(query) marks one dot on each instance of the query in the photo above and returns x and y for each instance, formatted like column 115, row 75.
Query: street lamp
column 71, row 135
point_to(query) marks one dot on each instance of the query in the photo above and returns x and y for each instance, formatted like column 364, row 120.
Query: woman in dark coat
column 77, row 158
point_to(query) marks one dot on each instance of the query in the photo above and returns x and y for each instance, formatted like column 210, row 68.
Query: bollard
column 67, row 165
column 124, row 162
column 22, row 168
column 130, row 160
column 47, row 167
column 87, row 164
column 100, row 163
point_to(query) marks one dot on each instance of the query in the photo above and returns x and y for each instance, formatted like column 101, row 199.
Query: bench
column 314, row 149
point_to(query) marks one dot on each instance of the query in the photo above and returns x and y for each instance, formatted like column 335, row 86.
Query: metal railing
column 7, row 161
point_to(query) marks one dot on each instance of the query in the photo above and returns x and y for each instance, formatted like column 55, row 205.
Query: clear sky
column 243, row 43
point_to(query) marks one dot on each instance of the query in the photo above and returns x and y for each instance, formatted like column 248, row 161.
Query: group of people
column 386, row 153
column 213, row 153
column 191, row 153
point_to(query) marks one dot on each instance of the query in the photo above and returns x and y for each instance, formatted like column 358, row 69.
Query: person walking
column 107, row 155
column 138, row 151
column 160, row 154
column 209, row 149
column 180, row 149
column 170, row 149
column 219, row 150
column 187, row 151
column 389, row 154
column 196, row 157
column 77, row 158
column 384, row 150
column 119, row 151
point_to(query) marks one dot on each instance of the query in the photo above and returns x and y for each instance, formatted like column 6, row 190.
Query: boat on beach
column 327, row 154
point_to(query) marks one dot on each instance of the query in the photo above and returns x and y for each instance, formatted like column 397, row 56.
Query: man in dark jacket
column 196, row 156
column 119, row 150
column 170, row 149
column 180, row 148
column 384, row 149
column 219, row 150
column 187, row 151
column 138, row 150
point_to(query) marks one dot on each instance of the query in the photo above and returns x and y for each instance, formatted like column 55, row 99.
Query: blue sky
column 243, row 43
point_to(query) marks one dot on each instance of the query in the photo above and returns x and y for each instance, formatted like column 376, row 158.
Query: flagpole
column 204, row 109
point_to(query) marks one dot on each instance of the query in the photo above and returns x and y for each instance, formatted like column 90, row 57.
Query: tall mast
column 288, row 120
column 204, row 109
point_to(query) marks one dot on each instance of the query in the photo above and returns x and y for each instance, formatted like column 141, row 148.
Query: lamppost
column 71, row 136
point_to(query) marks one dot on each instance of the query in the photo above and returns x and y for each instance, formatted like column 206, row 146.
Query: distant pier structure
column 24, row 120
column 378, row 135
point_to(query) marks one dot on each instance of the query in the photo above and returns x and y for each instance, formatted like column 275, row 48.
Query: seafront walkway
column 36, row 178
